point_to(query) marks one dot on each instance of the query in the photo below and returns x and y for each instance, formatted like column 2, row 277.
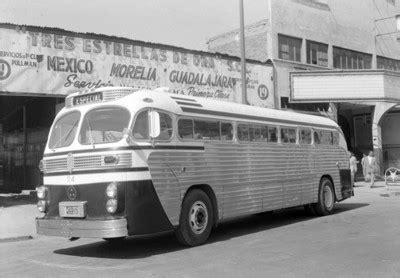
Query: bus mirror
column 127, row 135
column 155, row 124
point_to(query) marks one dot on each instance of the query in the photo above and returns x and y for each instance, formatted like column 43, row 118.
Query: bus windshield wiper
column 90, row 134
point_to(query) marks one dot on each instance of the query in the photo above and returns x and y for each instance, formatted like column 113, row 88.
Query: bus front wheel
column 326, row 198
column 195, row 221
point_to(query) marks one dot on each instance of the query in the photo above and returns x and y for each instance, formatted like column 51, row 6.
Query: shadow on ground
column 9, row 200
column 135, row 248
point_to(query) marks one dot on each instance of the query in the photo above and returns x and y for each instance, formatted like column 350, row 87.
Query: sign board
column 35, row 60
column 344, row 86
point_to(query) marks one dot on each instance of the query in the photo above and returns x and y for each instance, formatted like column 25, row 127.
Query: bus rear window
column 104, row 125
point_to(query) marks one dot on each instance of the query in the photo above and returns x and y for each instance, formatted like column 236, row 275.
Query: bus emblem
column 71, row 193
column 70, row 162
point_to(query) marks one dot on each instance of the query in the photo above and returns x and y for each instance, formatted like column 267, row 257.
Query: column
column 380, row 109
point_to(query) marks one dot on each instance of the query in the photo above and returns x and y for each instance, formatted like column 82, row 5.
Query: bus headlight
column 111, row 205
column 41, row 166
column 41, row 192
column 112, row 190
column 42, row 205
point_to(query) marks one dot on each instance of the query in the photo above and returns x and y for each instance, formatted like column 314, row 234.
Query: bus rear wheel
column 326, row 198
column 195, row 222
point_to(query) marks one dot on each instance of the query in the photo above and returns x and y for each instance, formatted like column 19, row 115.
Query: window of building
column 317, row 54
column 387, row 63
column 348, row 59
column 285, row 104
column 289, row 48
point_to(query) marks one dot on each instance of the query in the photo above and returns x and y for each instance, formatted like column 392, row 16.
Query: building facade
column 39, row 66
column 337, row 56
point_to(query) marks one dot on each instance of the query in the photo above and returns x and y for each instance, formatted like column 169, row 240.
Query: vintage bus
column 122, row 162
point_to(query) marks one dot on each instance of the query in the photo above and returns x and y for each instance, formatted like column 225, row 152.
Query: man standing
column 370, row 167
column 353, row 167
column 363, row 162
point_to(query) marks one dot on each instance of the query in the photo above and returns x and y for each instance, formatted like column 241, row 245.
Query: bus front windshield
column 104, row 125
column 64, row 130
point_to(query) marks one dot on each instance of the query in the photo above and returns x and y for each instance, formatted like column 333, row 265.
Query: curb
column 14, row 239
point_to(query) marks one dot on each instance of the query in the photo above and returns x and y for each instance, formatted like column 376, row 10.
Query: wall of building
column 356, row 25
column 390, row 124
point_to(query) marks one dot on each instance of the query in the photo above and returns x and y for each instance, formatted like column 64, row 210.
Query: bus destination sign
column 88, row 98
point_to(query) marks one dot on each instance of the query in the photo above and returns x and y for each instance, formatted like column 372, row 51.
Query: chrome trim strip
column 97, row 171
column 131, row 148
column 82, row 228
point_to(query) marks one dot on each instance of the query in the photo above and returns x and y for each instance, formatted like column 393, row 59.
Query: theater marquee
column 36, row 60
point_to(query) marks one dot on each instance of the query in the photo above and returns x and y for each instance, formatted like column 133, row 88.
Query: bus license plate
column 72, row 209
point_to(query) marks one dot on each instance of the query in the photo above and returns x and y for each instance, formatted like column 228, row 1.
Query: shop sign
column 48, row 61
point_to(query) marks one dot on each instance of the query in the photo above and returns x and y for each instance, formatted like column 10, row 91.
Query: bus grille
column 51, row 165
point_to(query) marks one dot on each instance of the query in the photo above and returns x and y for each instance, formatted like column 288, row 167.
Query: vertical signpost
column 242, row 54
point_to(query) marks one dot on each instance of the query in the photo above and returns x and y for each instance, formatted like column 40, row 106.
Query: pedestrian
column 353, row 167
column 363, row 164
column 370, row 167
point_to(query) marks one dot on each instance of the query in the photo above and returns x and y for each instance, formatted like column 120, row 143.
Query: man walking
column 370, row 166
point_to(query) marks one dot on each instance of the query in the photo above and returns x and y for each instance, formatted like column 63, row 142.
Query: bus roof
column 198, row 106
column 206, row 107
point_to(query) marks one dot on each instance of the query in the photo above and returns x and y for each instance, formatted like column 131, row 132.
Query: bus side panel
column 144, row 212
column 165, row 168
column 326, row 159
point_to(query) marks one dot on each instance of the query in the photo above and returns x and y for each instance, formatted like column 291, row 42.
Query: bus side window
column 141, row 127
column 335, row 138
column 185, row 128
column 243, row 132
column 305, row 136
column 288, row 135
column 165, row 127
column 317, row 140
column 326, row 137
column 208, row 130
column 272, row 134
column 251, row 133
column 226, row 131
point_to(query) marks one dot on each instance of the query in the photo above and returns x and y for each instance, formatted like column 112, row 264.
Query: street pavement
column 361, row 239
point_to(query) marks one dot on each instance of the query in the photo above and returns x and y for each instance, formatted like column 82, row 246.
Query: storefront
column 40, row 66
column 367, row 104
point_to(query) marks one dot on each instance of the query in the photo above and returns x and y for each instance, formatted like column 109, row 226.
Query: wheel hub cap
column 198, row 217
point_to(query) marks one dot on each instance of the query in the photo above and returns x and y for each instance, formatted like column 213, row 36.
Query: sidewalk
column 17, row 216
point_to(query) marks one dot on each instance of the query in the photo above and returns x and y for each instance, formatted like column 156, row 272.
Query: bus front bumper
column 82, row 228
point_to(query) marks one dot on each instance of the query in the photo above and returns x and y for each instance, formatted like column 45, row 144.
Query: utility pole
column 242, row 54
